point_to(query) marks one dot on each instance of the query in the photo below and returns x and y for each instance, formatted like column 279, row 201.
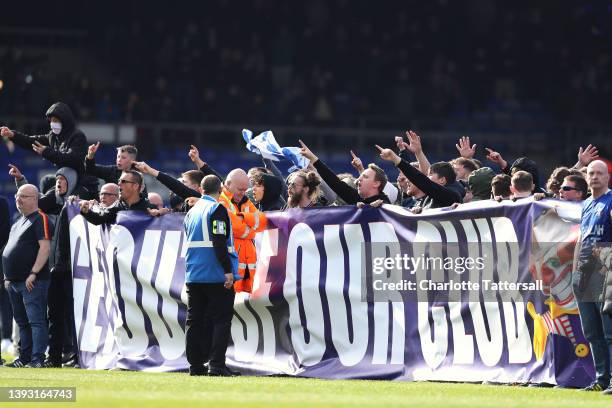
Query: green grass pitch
column 118, row 389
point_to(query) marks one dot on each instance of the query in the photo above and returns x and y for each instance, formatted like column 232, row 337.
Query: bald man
column 109, row 195
column 595, row 231
column 246, row 222
column 237, row 183
column 156, row 200
column 26, row 273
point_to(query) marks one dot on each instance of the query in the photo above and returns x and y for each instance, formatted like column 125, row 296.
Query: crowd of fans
column 417, row 185
column 330, row 62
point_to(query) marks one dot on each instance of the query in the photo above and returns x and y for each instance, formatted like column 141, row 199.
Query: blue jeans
column 597, row 328
column 30, row 313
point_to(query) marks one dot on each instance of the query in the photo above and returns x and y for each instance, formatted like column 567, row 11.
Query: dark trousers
column 6, row 314
column 61, row 316
column 210, row 308
column 30, row 313
column 597, row 328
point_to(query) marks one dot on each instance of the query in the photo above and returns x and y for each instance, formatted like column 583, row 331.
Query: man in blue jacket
column 211, row 266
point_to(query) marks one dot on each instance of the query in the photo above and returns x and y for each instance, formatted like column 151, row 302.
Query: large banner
column 347, row 293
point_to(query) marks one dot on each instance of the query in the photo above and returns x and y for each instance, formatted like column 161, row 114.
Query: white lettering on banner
column 246, row 337
column 79, row 234
column 489, row 333
column 245, row 332
column 244, row 329
column 79, row 290
column 461, row 340
column 350, row 352
column 78, row 230
column 171, row 346
column 434, row 348
column 490, row 342
column 309, row 351
column 172, row 343
column 519, row 340
column 89, row 333
column 130, row 331
column 383, row 232
column 253, row 327
column 183, row 254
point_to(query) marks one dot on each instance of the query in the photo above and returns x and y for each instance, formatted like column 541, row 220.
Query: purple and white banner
column 308, row 314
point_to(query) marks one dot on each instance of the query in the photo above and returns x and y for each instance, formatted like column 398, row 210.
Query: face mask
column 56, row 127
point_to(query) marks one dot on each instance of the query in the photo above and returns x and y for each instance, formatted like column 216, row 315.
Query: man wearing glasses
column 26, row 275
column 109, row 195
column 574, row 188
column 130, row 198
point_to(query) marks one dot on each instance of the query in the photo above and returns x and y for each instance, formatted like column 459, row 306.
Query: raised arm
column 443, row 195
column 415, row 147
column 585, row 156
column 170, row 182
column 343, row 190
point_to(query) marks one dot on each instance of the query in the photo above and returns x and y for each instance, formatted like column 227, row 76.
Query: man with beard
column 303, row 189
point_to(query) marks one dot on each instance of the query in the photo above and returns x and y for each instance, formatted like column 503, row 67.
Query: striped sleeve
column 45, row 231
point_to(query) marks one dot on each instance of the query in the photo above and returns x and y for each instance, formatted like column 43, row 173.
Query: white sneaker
column 6, row 346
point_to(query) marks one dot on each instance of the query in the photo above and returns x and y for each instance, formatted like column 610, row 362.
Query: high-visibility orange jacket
column 246, row 222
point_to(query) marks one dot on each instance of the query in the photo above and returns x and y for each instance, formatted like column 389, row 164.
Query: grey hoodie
column 71, row 177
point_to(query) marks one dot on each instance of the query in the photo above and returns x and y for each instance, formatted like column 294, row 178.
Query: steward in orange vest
column 246, row 222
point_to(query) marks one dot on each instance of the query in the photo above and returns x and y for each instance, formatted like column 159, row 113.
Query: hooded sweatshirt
column 480, row 183
column 71, row 178
column 528, row 165
column 67, row 149
column 272, row 193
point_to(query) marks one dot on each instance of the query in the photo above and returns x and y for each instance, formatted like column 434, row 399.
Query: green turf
column 117, row 389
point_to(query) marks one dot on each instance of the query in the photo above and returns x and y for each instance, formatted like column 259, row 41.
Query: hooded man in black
column 528, row 165
column 267, row 190
column 64, row 145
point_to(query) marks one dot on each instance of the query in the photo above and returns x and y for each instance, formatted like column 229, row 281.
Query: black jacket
column 344, row 191
column 108, row 173
column 66, row 149
column 5, row 222
column 179, row 189
column 110, row 216
column 176, row 186
column 271, row 199
column 528, row 165
column 5, row 228
column 437, row 195
column 59, row 257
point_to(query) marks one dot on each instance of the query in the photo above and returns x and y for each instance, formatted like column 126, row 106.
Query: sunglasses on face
column 568, row 188
column 127, row 181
